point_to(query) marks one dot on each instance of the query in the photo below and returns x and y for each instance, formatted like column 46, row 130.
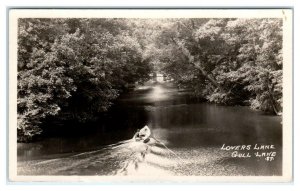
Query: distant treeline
column 76, row 68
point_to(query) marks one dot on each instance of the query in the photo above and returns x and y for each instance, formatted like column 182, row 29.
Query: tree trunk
column 274, row 103
column 204, row 73
column 271, row 96
column 197, row 64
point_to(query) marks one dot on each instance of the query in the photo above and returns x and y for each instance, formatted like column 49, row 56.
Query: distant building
column 160, row 77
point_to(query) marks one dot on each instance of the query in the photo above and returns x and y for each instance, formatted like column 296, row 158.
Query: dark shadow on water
column 176, row 119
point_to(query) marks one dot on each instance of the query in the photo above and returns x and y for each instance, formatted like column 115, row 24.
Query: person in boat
column 143, row 134
column 141, row 145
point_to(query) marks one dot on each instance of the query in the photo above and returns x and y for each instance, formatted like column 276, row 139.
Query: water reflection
column 157, row 94
column 195, row 131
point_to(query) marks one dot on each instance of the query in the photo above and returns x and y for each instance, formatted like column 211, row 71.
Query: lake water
column 192, row 134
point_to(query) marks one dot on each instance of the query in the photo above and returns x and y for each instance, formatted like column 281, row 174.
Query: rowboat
column 144, row 143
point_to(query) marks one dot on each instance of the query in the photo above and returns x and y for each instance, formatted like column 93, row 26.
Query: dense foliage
column 226, row 61
column 76, row 68
column 73, row 68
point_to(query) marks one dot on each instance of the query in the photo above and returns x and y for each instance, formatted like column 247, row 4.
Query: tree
column 260, row 60
column 42, row 83
column 73, row 69
column 227, row 61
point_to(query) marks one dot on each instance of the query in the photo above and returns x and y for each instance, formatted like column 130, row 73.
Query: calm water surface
column 194, row 133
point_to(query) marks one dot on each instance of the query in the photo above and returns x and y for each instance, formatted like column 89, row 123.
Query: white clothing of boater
column 142, row 140
column 143, row 134
column 140, row 146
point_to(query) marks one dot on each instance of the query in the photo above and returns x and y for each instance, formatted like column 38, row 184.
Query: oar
column 118, row 144
column 168, row 149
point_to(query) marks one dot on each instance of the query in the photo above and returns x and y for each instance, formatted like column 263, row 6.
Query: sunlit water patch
column 192, row 134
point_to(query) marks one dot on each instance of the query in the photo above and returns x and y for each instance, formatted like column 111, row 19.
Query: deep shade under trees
column 76, row 68
column 73, row 68
column 225, row 61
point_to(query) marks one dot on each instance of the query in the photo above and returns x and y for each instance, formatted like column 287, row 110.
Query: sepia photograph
column 150, row 95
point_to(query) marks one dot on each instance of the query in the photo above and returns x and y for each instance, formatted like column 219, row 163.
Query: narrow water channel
column 201, row 138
